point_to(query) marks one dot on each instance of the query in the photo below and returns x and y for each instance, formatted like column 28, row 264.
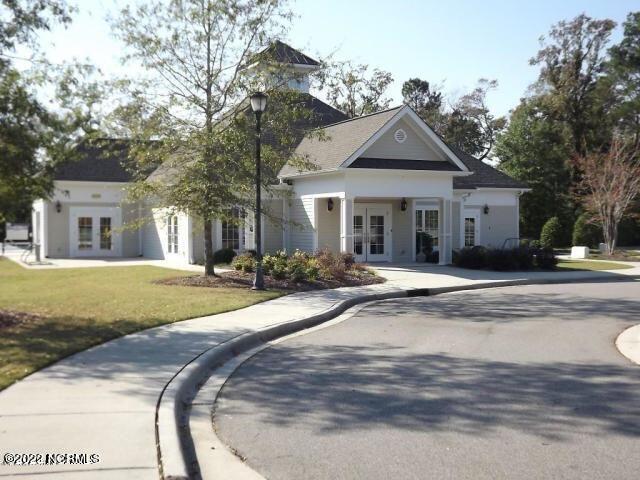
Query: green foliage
column 245, row 262
column 586, row 233
column 546, row 259
column 302, row 266
column 535, row 148
column 225, row 255
column 551, row 234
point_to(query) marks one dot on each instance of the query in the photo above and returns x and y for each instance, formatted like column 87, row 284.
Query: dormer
column 293, row 67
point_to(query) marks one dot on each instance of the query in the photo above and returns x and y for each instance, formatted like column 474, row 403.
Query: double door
column 94, row 232
column 372, row 233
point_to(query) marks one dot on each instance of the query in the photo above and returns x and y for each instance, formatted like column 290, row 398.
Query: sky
column 452, row 43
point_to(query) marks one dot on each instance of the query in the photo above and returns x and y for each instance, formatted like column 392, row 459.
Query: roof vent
column 400, row 135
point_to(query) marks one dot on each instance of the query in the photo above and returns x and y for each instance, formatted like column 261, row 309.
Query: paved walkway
column 103, row 400
column 18, row 255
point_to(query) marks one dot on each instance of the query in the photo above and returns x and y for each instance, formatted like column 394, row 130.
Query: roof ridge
column 360, row 117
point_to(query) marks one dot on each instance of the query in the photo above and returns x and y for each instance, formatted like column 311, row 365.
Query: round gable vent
column 400, row 135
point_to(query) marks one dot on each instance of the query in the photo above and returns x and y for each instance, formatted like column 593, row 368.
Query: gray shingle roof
column 484, row 176
column 340, row 141
column 99, row 161
column 280, row 52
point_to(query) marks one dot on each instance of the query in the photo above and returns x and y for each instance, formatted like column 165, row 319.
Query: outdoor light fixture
column 258, row 102
column 330, row 205
column 486, row 209
column 403, row 204
column 58, row 206
column 258, row 105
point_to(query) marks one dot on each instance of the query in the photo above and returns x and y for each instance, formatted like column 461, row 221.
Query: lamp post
column 258, row 105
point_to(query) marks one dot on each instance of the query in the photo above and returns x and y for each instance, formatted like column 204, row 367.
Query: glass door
column 93, row 232
column 372, row 233
column 427, row 222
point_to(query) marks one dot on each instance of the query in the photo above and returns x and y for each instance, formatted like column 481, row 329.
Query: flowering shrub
column 302, row 266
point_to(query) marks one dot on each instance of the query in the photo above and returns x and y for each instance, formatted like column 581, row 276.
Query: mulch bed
column 9, row 318
column 237, row 279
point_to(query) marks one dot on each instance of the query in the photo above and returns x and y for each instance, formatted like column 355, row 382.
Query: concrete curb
column 628, row 343
column 176, row 453
column 175, row 449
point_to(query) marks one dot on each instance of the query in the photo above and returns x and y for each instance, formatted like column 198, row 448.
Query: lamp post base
column 258, row 281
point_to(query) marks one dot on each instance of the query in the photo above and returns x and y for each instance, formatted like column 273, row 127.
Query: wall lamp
column 403, row 204
column 486, row 209
column 330, row 205
column 58, row 206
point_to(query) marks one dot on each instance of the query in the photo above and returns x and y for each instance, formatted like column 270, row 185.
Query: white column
column 446, row 234
column 286, row 225
column 346, row 225
column 190, row 257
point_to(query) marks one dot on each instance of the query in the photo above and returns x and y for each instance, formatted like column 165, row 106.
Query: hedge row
column 519, row 258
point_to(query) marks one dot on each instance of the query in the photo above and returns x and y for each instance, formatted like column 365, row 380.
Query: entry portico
column 384, row 178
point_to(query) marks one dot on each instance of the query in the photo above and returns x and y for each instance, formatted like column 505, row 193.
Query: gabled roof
column 340, row 141
column 344, row 142
column 280, row 52
column 101, row 160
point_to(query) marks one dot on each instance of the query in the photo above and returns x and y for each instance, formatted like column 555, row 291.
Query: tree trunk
column 209, row 269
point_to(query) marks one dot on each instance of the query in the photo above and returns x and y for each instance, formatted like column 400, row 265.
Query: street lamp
column 258, row 105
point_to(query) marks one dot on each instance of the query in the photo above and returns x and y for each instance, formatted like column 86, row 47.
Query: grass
column 590, row 265
column 83, row 307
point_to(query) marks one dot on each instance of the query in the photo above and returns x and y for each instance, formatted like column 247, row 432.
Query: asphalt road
column 519, row 382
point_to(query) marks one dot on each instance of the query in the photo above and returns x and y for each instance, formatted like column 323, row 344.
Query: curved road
column 520, row 382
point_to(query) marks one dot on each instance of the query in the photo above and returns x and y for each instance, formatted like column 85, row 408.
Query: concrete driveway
column 519, row 382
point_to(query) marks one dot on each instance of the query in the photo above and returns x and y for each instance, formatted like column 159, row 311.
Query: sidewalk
column 103, row 400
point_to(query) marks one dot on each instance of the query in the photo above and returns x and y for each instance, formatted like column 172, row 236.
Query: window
column 172, row 234
column 469, row 231
column 231, row 230
column 85, row 233
column 105, row 233
column 427, row 220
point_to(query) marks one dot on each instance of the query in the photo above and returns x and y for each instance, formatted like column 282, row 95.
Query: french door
column 93, row 232
column 372, row 233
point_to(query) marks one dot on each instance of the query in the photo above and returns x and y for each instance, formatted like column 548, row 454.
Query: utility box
column 579, row 252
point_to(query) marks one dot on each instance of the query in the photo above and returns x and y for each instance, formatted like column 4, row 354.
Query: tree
column 624, row 76
column 353, row 90
column 427, row 102
column 535, row 148
column 471, row 125
column 551, row 234
column 190, row 114
column 611, row 183
column 572, row 61
column 32, row 136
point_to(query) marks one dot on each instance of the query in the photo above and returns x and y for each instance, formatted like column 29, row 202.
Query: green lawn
column 590, row 265
column 87, row 306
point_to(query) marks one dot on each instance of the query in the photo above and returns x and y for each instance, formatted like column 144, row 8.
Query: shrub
column 546, row 259
column 279, row 272
column 524, row 258
column 245, row 262
column 584, row 233
column 433, row 257
column 471, row 257
column 551, row 234
column 501, row 259
column 224, row 255
column 535, row 245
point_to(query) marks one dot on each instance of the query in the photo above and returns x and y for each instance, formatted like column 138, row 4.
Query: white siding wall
column 415, row 147
column 302, row 218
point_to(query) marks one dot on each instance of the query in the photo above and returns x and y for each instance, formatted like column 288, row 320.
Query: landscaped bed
column 300, row 271
column 46, row 315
